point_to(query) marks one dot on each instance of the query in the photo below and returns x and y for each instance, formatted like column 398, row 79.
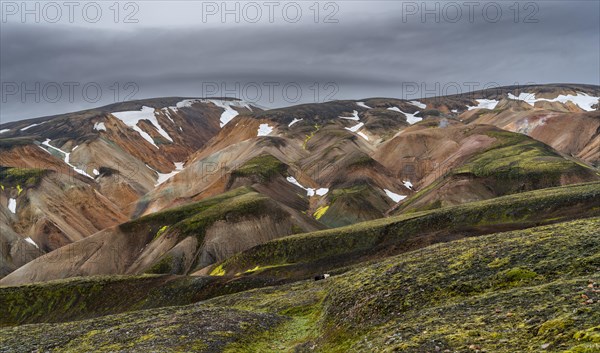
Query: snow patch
column 582, row 100
column 30, row 241
column 454, row 110
column 363, row 105
column 43, row 149
column 4, row 130
column 293, row 180
column 67, row 158
column 186, row 103
column 395, row 197
column 100, row 126
column 132, row 118
column 408, row 184
column 322, row 191
column 528, row 98
column 418, row 104
column 484, row 103
column 96, row 172
column 12, row 205
column 353, row 117
column 167, row 113
column 149, row 167
column 229, row 112
column 227, row 115
column 309, row 191
column 410, row 118
column 164, row 177
column 294, row 121
column 264, row 130
column 355, row 128
column 30, row 126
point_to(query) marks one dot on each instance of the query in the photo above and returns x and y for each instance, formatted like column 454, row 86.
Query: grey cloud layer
column 364, row 56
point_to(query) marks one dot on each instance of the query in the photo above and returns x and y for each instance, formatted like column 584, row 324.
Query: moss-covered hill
column 89, row 297
column 302, row 255
column 520, row 291
column 514, row 163
column 179, row 240
column 22, row 177
column 194, row 218
column 349, row 205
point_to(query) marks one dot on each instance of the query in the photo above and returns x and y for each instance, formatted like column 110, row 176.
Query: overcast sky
column 283, row 53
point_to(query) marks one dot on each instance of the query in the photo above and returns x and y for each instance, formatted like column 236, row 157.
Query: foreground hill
column 524, row 290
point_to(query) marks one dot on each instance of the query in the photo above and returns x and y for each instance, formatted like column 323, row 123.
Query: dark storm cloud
column 366, row 54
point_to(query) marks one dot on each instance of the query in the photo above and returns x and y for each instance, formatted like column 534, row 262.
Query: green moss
column 296, row 229
column 253, row 269
column 514, row 163
column 161, row 231
column 406, row 204
column 90, row 297
column 7, row 143
column 218, row 271
column 585, row 348
column 341, row 245
column 554, row 327
column 515, row 156
column 358, row 190
column 193, row 219
column 299, row 328
column 357, row 203
column 516, row 275
column 427, row 207
column 264, row 166
column 250, row 204
column 56, row 300
column 21, row 177
column 312, row 134
column 403, row 303
column 164, row 265
column 198, row 346
column 589, row 335
column 259, row 268
column 496, row 263
column 320, row 212
column 410, row 303
column 361, row 161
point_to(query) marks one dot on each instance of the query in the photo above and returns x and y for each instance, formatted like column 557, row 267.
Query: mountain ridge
column 345, row 161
